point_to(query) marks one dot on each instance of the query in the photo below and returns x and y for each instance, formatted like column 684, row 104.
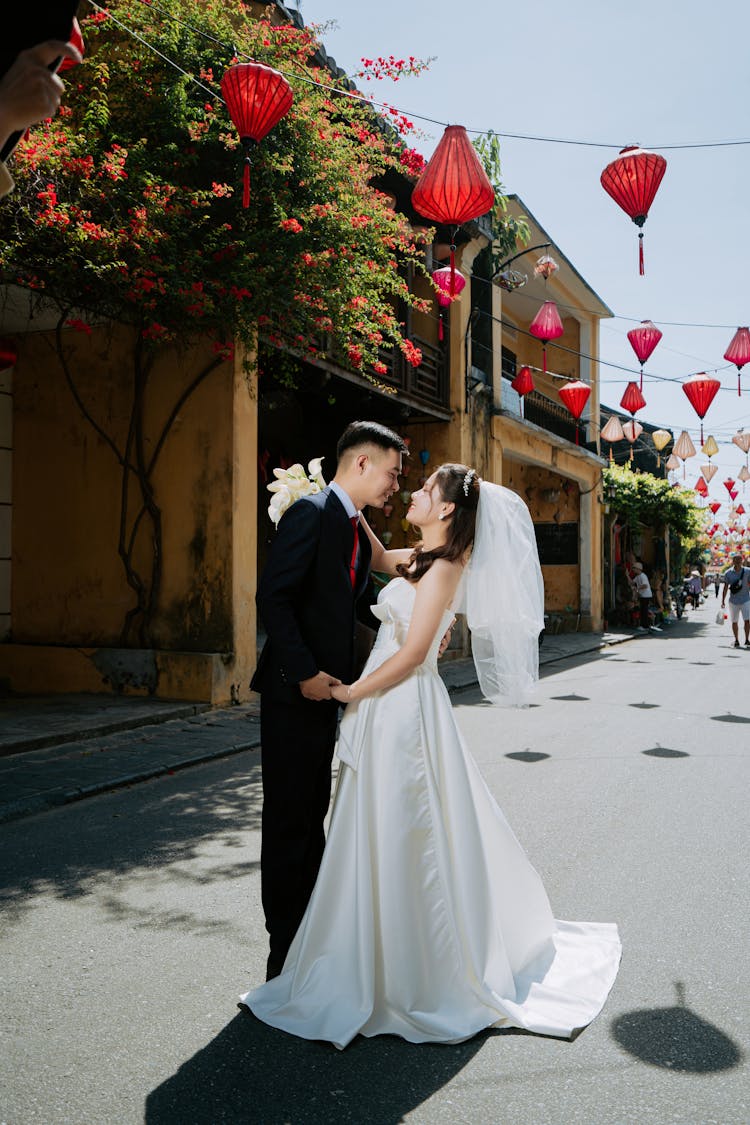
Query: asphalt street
column 131, row 922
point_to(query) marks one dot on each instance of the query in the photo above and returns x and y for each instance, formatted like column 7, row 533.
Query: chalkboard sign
column 557, row 543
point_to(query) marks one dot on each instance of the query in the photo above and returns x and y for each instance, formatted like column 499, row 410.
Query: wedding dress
column 427, row 920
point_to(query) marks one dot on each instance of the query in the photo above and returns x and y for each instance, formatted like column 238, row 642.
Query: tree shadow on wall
column 676, row 1039
column 254, row 1073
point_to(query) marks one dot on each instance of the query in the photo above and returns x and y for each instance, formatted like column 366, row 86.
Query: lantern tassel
column 246, row 183
column 577, row 442
column 440, row 326
column 453, row 268
column 544, row 358
column 641, row 269
column 739, row 382
column 640, row 388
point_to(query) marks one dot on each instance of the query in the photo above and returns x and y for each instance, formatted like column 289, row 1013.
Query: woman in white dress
column 427, row 920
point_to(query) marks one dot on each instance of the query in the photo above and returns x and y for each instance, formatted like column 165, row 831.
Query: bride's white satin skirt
column 427, row 920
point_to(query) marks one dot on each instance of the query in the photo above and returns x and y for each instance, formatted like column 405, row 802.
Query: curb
column 113, row 726
column 54, row 798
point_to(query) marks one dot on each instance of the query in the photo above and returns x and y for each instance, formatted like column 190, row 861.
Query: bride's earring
column 441, row 516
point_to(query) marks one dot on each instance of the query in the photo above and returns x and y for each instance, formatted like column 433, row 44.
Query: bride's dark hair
column 457, row 484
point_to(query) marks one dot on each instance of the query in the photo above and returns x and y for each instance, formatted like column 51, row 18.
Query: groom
column 318, row 567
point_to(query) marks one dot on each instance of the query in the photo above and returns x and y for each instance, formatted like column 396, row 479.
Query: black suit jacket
column 305, row 597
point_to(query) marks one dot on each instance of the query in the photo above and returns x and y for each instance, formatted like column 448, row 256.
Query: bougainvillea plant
column 127, row 210
column 127, row 203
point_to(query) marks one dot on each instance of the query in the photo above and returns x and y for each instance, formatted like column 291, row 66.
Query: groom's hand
column 318, row 687
column 446, row 638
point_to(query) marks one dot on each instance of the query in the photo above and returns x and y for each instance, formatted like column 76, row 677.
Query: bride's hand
column 340, row 692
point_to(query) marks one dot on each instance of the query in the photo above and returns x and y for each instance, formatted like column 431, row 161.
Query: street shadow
column 729, row 718
column 573, row 698
column 676, row 1038
column 527, row 756
column 254, row 1073
column 644, row 706
column 177, row 815
column 664, row 752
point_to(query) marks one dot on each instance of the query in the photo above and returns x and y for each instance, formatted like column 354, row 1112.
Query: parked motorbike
column 679, row 597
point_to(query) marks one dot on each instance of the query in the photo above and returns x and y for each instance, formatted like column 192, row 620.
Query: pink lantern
column 643, row 340
column 632, row 431
column 547, row 326
column 612, row 432
column 738, row 352
column 449, row 284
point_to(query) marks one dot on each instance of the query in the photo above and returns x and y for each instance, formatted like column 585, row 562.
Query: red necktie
column 353, row 564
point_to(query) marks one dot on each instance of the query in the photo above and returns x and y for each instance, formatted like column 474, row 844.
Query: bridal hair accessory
column 467, row 480
column 292, row 483
column 505, row 618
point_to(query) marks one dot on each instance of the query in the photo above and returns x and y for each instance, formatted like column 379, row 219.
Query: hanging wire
column 359, row 96
column 355, row 95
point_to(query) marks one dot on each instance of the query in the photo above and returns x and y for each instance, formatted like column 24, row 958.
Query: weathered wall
column 70, row 587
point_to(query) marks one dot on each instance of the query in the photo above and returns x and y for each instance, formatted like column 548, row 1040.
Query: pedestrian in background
column 737, row 585
column 643, row 590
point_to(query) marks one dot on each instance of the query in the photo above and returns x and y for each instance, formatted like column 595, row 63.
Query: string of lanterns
column 454, row 189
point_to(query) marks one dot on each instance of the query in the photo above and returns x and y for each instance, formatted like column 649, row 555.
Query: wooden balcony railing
column 428, row 383
column 542, row 411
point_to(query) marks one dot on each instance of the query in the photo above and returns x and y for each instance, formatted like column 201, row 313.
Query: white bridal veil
column 503, row 597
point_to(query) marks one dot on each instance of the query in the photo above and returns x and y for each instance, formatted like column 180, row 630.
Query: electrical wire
column 359, row 96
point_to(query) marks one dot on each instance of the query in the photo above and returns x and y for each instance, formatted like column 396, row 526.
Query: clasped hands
column 324, row 686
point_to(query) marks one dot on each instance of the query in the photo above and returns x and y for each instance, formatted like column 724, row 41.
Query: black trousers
column 297, row 744
column 645, row 606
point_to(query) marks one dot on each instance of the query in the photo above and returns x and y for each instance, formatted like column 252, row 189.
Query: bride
column 427, row 920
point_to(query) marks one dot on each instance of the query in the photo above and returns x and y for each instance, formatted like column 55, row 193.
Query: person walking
column 737, row 585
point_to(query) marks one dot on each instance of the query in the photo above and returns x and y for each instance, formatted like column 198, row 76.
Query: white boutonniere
column 292, row 483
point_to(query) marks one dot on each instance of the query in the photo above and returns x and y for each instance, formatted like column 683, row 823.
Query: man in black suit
column 317, row 569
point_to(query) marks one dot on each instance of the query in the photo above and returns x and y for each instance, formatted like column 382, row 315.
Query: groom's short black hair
column 369, row 433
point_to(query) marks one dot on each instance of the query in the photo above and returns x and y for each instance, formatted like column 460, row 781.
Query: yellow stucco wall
column 70, row 594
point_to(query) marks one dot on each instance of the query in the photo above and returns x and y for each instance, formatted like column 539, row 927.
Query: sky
column 653, row 73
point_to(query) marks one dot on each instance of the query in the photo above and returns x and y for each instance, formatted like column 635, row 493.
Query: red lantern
column 729, row 485
column 715, row 506
column 643, row 340
column 733, row 493
column 76, row 40
column 574, row 396
column 738, row 352
column 632, row 400
column 257, row 97
column 449, row 284
column 701, row 487
column 8, row 355
column 523, row 383
column 633, row 180
column 701, row 389
column 547, row 326
column 454, row 187
column 740, row 510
